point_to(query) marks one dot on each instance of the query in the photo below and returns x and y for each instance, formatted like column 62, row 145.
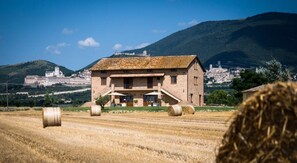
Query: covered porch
column 134, row 98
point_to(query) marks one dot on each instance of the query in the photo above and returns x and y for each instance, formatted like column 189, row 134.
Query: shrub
column 102, row 100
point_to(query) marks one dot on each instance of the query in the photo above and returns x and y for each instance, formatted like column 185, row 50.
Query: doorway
column 128, row 99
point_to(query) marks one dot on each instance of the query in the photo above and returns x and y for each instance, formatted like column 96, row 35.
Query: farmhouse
column 145, row 81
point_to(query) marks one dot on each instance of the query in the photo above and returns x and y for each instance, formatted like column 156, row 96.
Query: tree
column 274, row 71
column 217, row 97
column 102, row 100
column 248, row 79
column 17, row 103
column 76, row 103
column 48, row 100
column 32, row 103
column 233, row 98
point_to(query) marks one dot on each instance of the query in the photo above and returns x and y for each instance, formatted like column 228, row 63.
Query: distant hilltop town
column 144, row 54
column 57, row 77
column 219, row 75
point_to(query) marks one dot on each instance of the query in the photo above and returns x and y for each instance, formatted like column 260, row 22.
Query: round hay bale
column 174, row 110
column 265, row 127
column 95, row 110
column 188, row 109
column 51, row 116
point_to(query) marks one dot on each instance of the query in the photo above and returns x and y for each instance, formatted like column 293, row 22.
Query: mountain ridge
column 15, row 73
column 246, row 42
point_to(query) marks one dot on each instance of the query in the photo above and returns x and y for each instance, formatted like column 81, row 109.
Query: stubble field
column 125, row 137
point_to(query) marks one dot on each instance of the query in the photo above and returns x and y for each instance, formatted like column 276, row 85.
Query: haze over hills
column 17, row 72
column 245, row 43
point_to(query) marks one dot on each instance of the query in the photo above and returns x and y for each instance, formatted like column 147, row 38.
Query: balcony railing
column 127, row 86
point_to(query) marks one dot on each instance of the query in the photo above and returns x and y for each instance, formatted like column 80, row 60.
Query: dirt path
column 129, row 137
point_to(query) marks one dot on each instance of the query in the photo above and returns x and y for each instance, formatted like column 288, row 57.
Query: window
column 103, row 80
column 125, row 71
column 158, row 78
column 195, row 80
column 103, row 72
column 173, row 80
column 128, row 82
column 173, row 70
column 149, row 82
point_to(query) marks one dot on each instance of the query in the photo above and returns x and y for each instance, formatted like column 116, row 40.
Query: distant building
column 57, row 77
column 172, row 79
column 219, row 75
column 56, row 73
column 34, row 80
column 144, row 53
column 249, row 92
column 22, row 93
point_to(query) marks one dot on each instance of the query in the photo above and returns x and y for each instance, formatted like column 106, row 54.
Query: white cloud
column 67, row 31
column 88, row 42
column 52, row 49
column 188, row 24
column 56, row 49
column 117, row 46
column 157, row 31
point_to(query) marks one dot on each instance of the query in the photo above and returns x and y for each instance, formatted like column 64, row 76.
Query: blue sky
column 74, row 33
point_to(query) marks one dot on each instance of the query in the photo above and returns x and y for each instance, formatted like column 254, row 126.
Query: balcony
column 128, row 86
column 134, row 88
column 136, row 83
column 137, row 75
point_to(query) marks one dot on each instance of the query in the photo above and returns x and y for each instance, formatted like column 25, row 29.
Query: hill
column 17, row 72
column 245, row 42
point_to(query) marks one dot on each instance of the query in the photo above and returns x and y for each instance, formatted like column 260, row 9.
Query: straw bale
column 51, row 116
column 174, row 110
column 264, row 128
column 95, row 110
column 188, row 109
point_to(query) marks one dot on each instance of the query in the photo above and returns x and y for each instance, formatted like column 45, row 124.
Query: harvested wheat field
column 126, row 137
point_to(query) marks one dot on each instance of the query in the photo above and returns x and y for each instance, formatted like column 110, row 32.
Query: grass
column 75, row 109
column 151, row 109
column 215, row 108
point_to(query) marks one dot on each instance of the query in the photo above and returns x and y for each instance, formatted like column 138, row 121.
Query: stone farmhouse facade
column 173, row 79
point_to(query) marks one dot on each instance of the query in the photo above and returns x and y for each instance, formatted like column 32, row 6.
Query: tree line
column 75, row 99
